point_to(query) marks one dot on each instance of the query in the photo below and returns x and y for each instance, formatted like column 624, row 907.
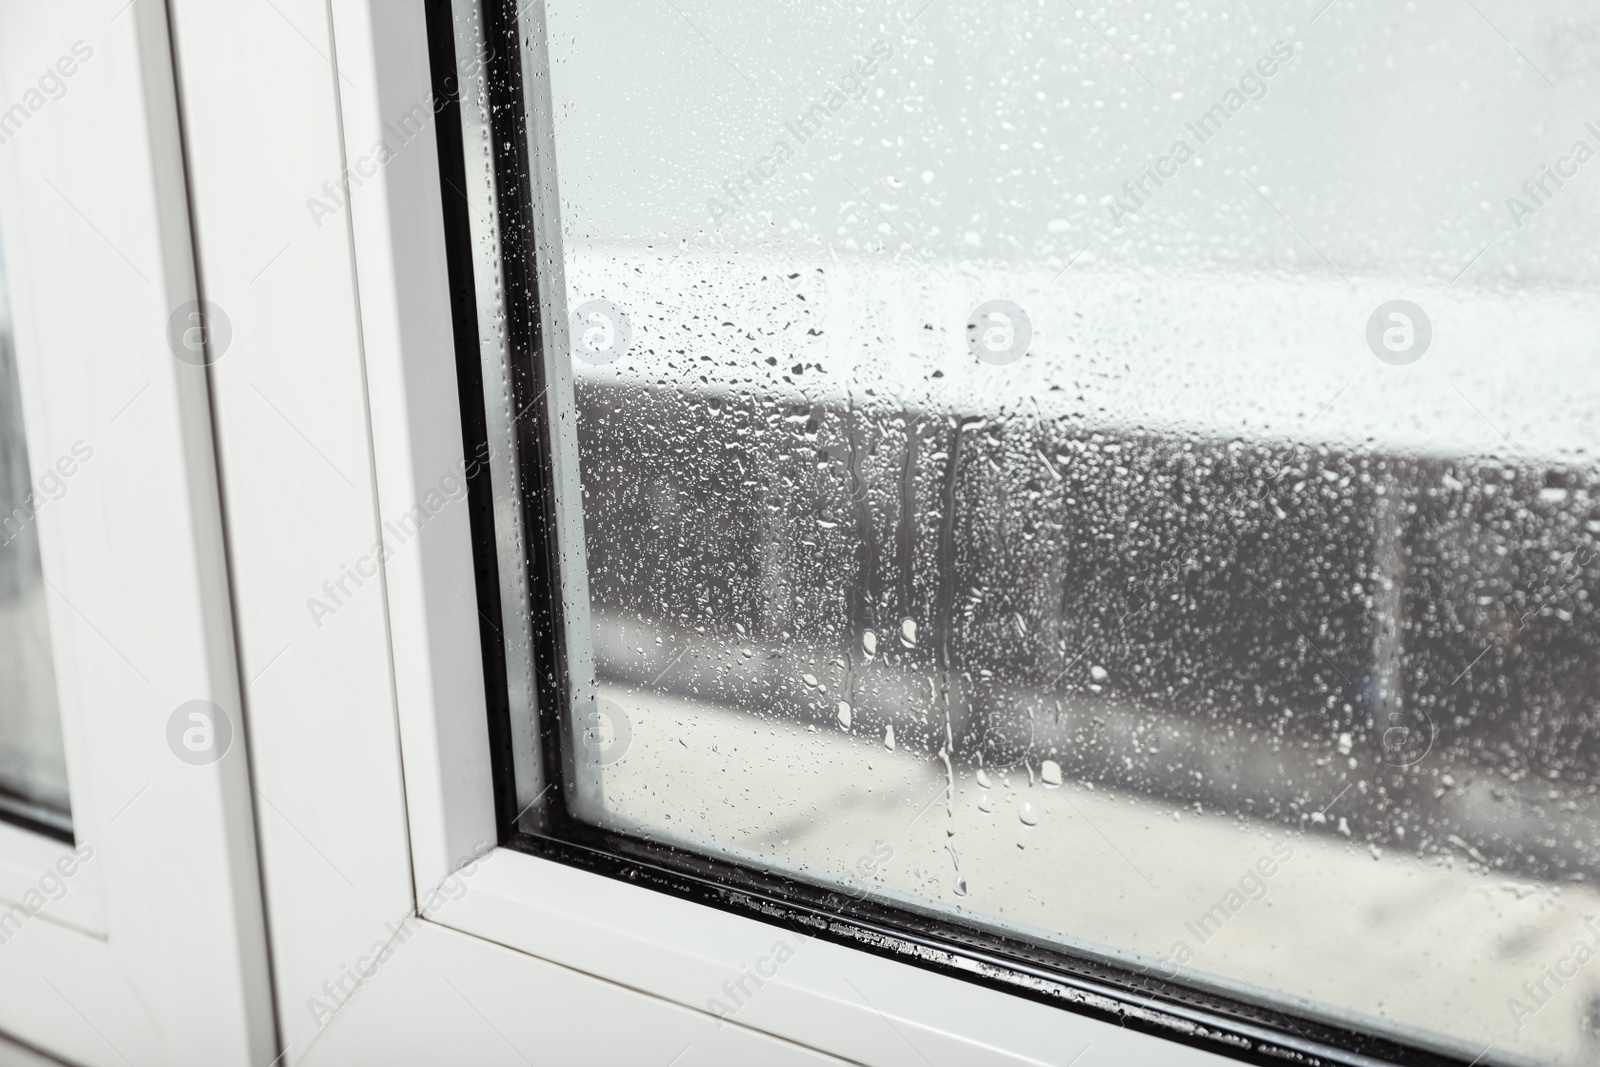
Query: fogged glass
column 33, row 770
column 1119, row 475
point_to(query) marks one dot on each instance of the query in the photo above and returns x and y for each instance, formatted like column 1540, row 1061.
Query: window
column 131, row 925
column 1108, row 489
column 33, row 767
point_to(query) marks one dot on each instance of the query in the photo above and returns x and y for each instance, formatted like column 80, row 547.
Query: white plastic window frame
column 143, row 942
column 399, row 933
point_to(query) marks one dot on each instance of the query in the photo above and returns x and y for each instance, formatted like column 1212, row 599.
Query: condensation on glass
column 1121, row 476
column 33, row 770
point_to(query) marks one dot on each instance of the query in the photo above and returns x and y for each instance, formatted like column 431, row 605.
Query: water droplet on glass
column 1028, row 814
column 844, row 714
column 1098, row 673
column 809, row 679
column 888, row 737
column 983, row 779
column 869, row 642
column 985, row 804
column 908, row 632
column 1050, row 772
column 961, row 885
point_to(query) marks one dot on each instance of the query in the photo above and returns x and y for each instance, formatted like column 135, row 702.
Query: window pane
column 33, row 770
column 1118, row 476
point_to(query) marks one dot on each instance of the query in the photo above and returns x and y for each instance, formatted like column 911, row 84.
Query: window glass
column 33, row 771
column 1120, row 476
